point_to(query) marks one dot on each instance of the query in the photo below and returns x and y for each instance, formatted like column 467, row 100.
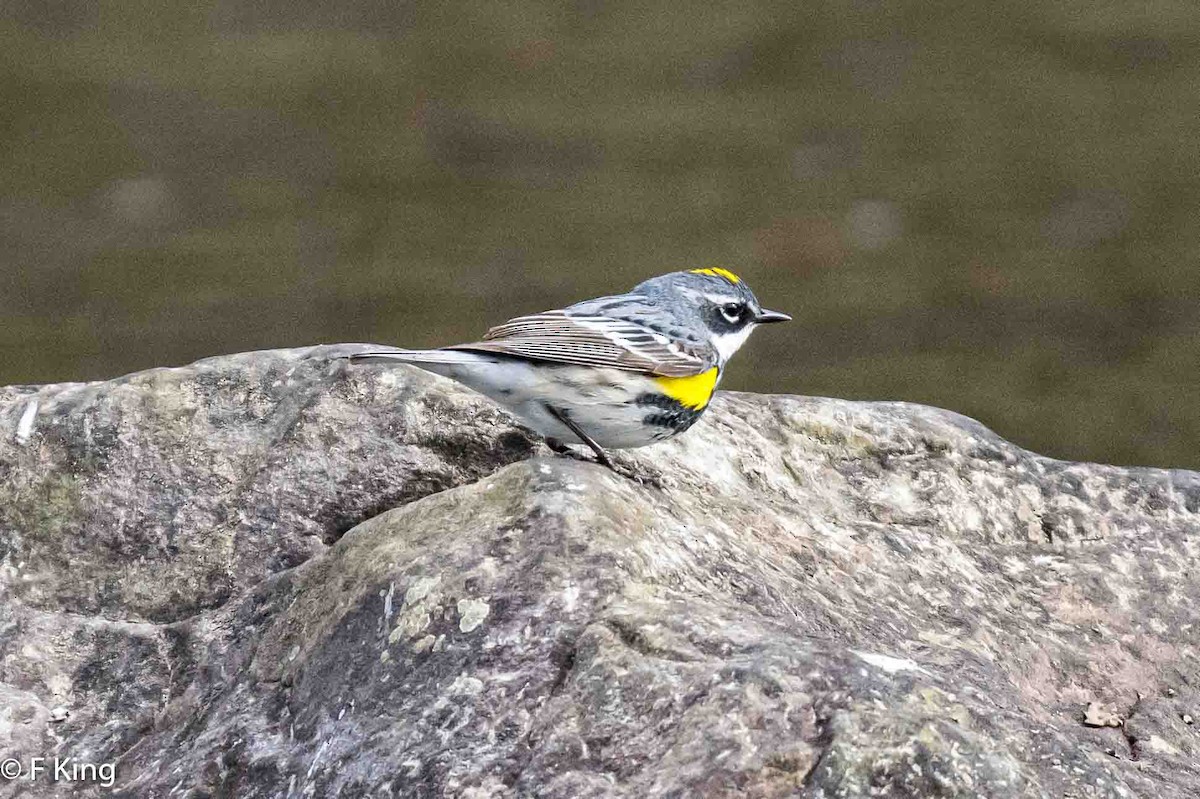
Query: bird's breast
column 692, row 392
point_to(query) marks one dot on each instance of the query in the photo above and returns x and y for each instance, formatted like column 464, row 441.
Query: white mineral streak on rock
column 890, row 664
column 25, row 426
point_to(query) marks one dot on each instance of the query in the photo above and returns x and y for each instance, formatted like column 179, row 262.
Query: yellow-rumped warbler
column 618, row 372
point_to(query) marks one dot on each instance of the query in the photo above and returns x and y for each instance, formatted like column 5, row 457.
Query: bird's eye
column 733, row 311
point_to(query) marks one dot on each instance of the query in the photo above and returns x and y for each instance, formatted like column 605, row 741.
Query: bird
column 614, row 372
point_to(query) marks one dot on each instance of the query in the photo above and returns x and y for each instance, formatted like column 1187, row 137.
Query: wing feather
column 593, row 340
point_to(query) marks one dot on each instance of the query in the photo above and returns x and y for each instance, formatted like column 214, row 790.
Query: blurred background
column 989, row 207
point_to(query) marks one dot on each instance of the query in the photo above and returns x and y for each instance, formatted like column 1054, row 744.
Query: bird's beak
column 766, row 317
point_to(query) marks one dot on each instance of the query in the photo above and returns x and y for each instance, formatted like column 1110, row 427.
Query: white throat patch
column 729, row 343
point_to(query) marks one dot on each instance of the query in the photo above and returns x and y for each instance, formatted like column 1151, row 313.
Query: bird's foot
column 559, row 448
column 621, row 466
column 641, row 476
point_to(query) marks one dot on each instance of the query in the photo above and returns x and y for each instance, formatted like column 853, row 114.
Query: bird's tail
column 415, row 357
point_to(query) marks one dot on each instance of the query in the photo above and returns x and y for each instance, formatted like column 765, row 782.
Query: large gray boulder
column 272, row 575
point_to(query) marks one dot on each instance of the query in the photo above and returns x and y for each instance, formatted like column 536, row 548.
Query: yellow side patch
column 716, row 271
column 692, row 392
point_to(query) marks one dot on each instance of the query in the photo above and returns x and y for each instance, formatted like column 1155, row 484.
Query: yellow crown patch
column 716, row 271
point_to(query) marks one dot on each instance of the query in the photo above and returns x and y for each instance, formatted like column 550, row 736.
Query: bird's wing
column 594, row 340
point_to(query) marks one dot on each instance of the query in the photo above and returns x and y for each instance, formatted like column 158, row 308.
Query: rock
column 271, row 574
column 1097, row 715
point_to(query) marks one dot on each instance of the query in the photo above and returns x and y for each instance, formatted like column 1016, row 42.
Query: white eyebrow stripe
column 722, row 299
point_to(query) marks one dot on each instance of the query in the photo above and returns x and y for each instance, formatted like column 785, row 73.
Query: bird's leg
column 601, row 456
column 567, row 422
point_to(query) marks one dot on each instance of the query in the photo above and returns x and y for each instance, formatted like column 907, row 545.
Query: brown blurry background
column 991, row 207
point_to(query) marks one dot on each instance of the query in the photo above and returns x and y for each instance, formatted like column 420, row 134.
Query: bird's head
column 716, row 298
